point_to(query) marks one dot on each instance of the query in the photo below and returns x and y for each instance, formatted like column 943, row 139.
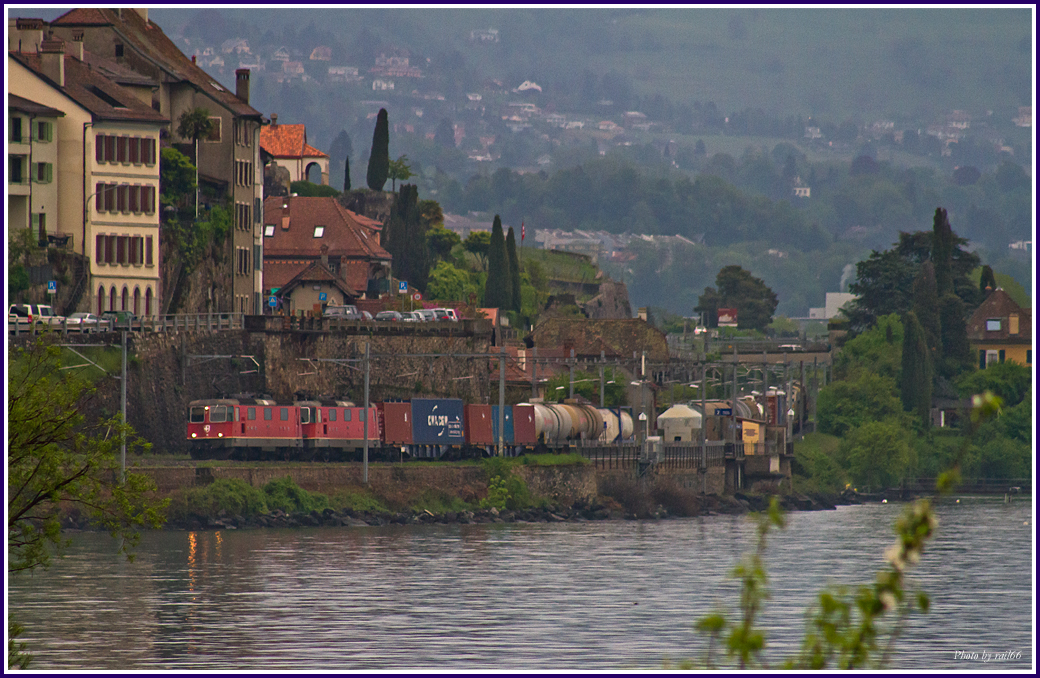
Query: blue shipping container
column 437, row 421
column 508, row 434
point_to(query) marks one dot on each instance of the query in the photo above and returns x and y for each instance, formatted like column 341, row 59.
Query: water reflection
column 579, row 596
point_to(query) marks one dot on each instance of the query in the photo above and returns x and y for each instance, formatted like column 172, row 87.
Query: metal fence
column 178, row 322
column 673, row 455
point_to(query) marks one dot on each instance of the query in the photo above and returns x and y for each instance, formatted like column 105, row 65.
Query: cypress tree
column 987, row 279
column 394, row 234
column 496, row 290
column 957, row 355
column 915, row 383
column 942, row 252
column 379, row 160
column 514, row 270
column 417, row 252
column 926, row 308
column 346, row 175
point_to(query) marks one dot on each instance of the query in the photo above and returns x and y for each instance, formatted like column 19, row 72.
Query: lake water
column 570, row 596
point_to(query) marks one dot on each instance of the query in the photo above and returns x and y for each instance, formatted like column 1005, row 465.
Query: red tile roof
column 1000, row 305
column 148, row 39
column 345, row 232
column 284, row 141
column 349, row 237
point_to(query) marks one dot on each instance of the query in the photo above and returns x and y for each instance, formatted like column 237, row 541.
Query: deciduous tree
column 399, row 169
column 737, row 288
column 478, row 243
column 58, row 459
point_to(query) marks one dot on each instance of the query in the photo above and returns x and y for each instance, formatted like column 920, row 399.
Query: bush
column 878, row 454
column 355, row 500
column 231, row 496
column 505, row 489
column 630, row 494
column 285, row 495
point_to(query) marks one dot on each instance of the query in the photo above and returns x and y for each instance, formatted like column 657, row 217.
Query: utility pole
column 122, row 406
column 572, row 375
column 501, row 398
column 364, row 467
column 602, row 385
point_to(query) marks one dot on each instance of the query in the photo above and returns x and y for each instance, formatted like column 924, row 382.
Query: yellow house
column 106, row 149
column 32, row 161
column 1000, row 330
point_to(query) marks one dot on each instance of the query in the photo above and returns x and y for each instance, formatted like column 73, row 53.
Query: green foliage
column 358, row 500
column 514, row 272
column 448, row 283
column 17, row 657
column 586, row 385
column 176, row 180
column 884, row 281
column 816, row 455
column 195, row 124
column 848, row 404
column 956, row 351
column 506, row 490
column 915, row 382
column 17, row 280
column 405, row 239
column 497, row 291
column 438, row 502
column 736, row 288
column 926, row 309
column 59, row 460
column 232, row 496
column 399, row 170
column 1008, row 380
column 379, row 158
column 441, row 241
column 877, row 350
column 878, row 454
column 284, row 495
column 478, row 243
column 307, row 189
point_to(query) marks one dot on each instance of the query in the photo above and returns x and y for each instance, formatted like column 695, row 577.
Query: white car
column 87, row 322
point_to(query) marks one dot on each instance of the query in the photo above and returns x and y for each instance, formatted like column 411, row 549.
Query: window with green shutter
column 44, row 131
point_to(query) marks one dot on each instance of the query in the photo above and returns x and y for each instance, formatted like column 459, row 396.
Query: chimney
column 192, row 58
column 274, row 120
column 242, row 84
column 25, row 35
column 76, row 50
column 52, row 60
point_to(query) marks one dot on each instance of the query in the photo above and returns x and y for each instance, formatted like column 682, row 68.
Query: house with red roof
column 288, row 147
column 315, row 246
column 228, row 160
column 1000, row 330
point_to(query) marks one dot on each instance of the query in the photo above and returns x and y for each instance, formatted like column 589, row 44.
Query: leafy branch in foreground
column 847, row 628
column 57, row 461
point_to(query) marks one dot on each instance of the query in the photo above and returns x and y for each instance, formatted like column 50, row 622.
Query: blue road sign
column 321, row 296
column 52, row 286
column 723, row 411
column 272, row 302
column 402, row 287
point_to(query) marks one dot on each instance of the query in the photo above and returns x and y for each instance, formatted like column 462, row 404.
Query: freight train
column 422, row 428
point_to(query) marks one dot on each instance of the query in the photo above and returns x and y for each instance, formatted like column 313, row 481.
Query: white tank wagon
column 559, row 423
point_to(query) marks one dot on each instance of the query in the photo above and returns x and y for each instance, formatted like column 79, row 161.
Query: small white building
column 679, row 423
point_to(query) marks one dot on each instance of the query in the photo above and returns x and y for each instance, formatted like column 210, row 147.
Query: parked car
column 88, row 322
column 41, row 314
column 411, row 317
column 119, row 320
column 426, row 314
column 344, row 312
column 391, row 316
column 445, row 314
column 368, row 316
